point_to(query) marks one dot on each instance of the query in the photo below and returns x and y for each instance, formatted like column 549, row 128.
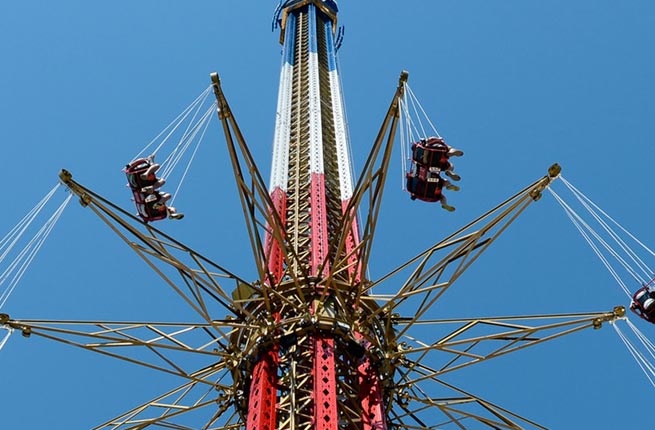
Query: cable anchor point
column 65, row 176
column 404, row 76
column 617, row 313
column 553, row 172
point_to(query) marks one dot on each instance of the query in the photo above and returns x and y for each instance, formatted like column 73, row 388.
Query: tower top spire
column 332, row 4
column 327, row 7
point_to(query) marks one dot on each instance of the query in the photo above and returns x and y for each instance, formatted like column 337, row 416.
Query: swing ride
column 430, row 158
column 150, row 202
column 308, row 344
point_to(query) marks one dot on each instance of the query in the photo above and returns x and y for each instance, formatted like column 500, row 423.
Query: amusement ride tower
column 307, row 345
column 312, row 252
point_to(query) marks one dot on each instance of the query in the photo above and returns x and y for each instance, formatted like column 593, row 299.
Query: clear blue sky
column 517, row 85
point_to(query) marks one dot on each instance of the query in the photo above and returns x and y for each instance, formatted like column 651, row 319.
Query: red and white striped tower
column 324, row 377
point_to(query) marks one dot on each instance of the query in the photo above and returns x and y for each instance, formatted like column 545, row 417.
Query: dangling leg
column 444, row 204
column 449, row 186
column 150, row 172
column 172, row 214
column 164, row 197
column 449, row 172
column 159, row 183
column 150, row 189
column 454, row 152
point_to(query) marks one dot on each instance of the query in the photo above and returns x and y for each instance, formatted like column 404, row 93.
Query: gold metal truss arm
column 181, row 408
column 432, row 275
column 202, row 277
column 159, row 346
column 254, row 196
column 369, row 188
column 476, row 340
column 460, row 409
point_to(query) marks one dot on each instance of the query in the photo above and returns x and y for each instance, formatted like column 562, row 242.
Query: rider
column 443, row 152
column 643, row 304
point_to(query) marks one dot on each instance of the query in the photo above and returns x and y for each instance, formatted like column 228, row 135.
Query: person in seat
column 428, row 186
column 149, row 211
column 142, row 178
column 150, row 180
column 439, row 196
column 150, row 202
column 158, row 208
column 415, row 185
column 434, row 153
column 643, row 304
column 439, row 143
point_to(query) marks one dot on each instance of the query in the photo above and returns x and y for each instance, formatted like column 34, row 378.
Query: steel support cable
column 425, row 115
column 586, row 202
column 19, row 266
column 568, row 184
column 646, row 366
column 412, row 102
column 5, row 338
column 404, row 144
column 623, row 246
column 9, row 241
column 174, row 123
column 192, row 122
column 571, row 215
column 631, row 254
column 410, row 122
column 642, row 338
column 583, row 228
column 185, row 141
column 206, row 121
column 25, row 257
column 175, row 157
